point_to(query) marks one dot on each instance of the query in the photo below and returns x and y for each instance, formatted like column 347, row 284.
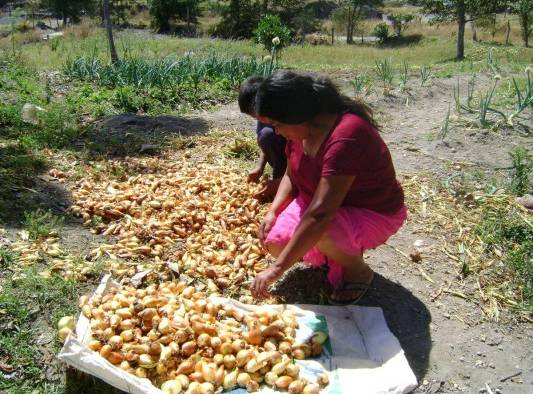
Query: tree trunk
column 109, row 29
column 508, row 32
column 350, row 27
column 526, row 29
column 461, row 22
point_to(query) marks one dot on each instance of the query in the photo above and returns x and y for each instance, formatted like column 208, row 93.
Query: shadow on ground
column 131, row 134
column 407, row 316
column 24, row 187
column 408, row 319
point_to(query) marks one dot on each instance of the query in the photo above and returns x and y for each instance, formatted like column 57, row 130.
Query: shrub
column 270, row 27
column 381, row 32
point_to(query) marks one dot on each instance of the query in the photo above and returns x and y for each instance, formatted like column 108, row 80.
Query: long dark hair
column 294, row 98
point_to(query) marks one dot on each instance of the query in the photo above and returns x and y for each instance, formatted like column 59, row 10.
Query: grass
column 521, row 170
column 40, row 224
column 31, row 307
column 509, row 235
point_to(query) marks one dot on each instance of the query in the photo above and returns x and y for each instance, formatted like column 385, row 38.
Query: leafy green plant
column 165, row 72
column 385, row 73
column 485, row 101
column 40, row 223
column 521, row 170
column 404, row 75
column 400, row 22
column 524, row 99
column 508, row 235
column 381, row 32
column 445, row 126
column 426, row 73
column 272, row 33
column 361, row 84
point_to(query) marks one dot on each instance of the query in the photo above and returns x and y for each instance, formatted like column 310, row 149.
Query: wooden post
column 109, row 29
column 508, row 32
column 332, row 36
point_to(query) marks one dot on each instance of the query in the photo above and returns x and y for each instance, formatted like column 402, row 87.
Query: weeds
column 361, row 85
column 523, row 99
column 31, row 306
column 508, row 235
column 404, row 76
column 245, row 149
column 426, row 73
column 385, row 73
column 445, row 126
column 521, row 170
column 40, row 224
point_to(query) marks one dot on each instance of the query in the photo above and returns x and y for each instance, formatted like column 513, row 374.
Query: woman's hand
column 262, row 282
column 255, row 174
column 266, row 226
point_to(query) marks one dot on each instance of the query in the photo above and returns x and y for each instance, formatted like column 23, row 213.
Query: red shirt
column 353, row 147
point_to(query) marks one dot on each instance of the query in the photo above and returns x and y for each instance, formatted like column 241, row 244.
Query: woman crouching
column 340, row 184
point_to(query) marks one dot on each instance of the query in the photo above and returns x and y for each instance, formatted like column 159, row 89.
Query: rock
column 526, row 201
column 146, row 148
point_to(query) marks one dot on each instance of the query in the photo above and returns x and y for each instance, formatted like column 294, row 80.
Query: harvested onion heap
column 207, row 207
column 177, row 338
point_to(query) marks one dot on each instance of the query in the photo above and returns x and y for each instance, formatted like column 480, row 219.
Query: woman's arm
column 259, row 168
column 285, row 191
column 283, row 196
column 328, row 198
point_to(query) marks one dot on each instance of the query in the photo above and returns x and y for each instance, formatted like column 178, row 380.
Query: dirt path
column 449, row 344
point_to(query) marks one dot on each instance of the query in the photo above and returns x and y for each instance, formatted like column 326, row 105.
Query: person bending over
column 272, row 145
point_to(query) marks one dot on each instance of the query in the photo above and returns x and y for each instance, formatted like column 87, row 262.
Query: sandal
column 362, row 288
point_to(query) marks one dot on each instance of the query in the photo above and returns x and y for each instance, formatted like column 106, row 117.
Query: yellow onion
column 243, row 379
column 188, row 348
column 146, row 361
column 194, row 388
column 230, row 380
column 283, row 382
column 323, row 379
column 311, row 389
column 270, row 378
column 229, row 361
column 184, row 380
column 206, row 388
column 66, row 321
column 296, row 387
column 171, row 387
column 94, row 345
column 63, row 333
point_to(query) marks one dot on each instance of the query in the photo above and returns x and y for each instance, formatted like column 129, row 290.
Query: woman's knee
column 265, row 137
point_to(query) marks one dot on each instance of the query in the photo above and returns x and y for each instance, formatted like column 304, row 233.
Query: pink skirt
column 354, row 230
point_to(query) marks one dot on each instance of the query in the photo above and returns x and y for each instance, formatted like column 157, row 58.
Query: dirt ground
column 450, row 346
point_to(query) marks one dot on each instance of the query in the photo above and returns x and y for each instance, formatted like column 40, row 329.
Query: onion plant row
column 170, row 71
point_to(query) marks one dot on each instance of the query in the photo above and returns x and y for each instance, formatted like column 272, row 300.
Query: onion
column 171, row 387
column 283, row 382
column 66, row 321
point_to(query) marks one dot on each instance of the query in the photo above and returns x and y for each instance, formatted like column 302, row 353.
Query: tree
column 270, row 27
column 524, row 9
column 68, row 10
column 462, row 12
column 163, row 10
column 240, row 19
column 109, row 30
column 32, row 8
column 349, row 12
column 400, row 22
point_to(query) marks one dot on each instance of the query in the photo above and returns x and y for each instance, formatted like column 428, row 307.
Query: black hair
column 294, row 98
column 247, row 92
